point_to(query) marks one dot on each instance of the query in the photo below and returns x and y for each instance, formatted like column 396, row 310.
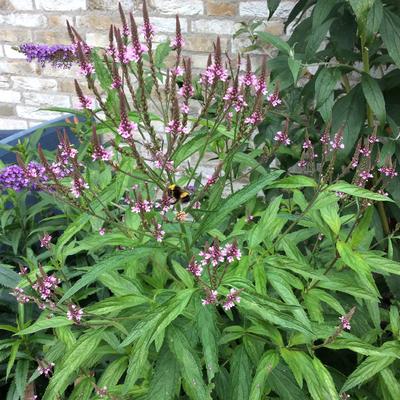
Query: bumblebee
column 178, row 193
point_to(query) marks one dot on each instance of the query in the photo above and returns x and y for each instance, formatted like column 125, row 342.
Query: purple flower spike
column 58, row 55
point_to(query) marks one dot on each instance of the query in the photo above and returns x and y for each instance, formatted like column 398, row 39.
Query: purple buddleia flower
column 17, row 178
column 59, row 56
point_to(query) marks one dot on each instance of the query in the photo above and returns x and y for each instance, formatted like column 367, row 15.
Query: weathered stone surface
column 38, row 99
column 59, row 21
column 166, row 24
column 284, row 9
column 27, row 20
column 129, row 5
column 11, row 53
column 254, row 9
column 220, row 9
column 9, row 123
column 203, row 43
column 97, row 21
column 15, row 36
column 4, row 82
column 216, row 26
column 33, row 113
column 61, row 5
column 172, row 7
column 7, row 110
column 97, row 39
column 17, row 67
column 34, row 84
column 16, row 5
column 10, row 96
column 52, row 37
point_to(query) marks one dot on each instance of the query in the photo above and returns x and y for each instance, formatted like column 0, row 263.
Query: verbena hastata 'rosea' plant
column 200, row 291
column 340, row 65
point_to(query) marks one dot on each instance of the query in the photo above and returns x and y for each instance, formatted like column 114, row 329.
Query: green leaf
column 209, row 336
column 374, row 19
column 394, row 321
column 240, row 374
column 107, row 265
column 357, row 191
column 391, row 382
column 212, row 220
column 115, row 304
column 161, row 53
column 165, row 382
column 261, row 229
column 351, row 258
column 8, row 278
column 366, row 370
column 189, row 365
column 293, row 182
column 21, row 376
column 318, row 34
column 268, row 362
column 294, row 66
column 83, row 390
column 321, row 12
column 45, row 323
column 13, row 355
column 390, row 32
column 349, row 113
column 381, row 265
column 272, row 6
column 331, row 217
column 113, row 372
column 183, row 274
column 374, row 96
column 276, row 41
column 68, row 368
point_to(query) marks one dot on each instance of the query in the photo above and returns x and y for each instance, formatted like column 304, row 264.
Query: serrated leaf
column 165, row 382
column 66, row 370
column 45, row 323
column 240, row 374
column 189, row 364
column 276, row 41
column 366, row 370
column 234, row 201
column 209, row 336
column 8, row 278
column 390, row 32
column 374, row 96
column 268, row 362
column 357, row 191
column 21, row 376
column 107, row 265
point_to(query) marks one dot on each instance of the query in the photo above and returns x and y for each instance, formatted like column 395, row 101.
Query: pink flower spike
column 195, row 269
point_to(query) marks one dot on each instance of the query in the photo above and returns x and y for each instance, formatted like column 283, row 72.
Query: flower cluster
column 74, row 313
column 45, row 368
column 46, row 285
column 345, row 323
column 20, row 295
column 232, row 298
column 17, row 178
column 45, row 241
column 60, row 56
column 282, row 138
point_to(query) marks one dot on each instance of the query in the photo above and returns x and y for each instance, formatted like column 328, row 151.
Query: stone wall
column 25, row 87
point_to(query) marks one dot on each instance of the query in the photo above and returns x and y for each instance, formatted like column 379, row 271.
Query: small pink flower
column 195, row 268
column 86, row 69
column 274, row 99
column 177, row 71
column 232, row 298
column 302, row 164
column 74, row 313
column 283, row 138
column 211, row 298
column 45, row 368
column 185, row 108
column 20, row 295
column 86, row 103
column 159, row 233
column 231, row 251
column 102, row 231
column 254, row 118
column 78, row 186
column 127, row 128
column 365, row 175
column 337, row 143
column 45, row 241
column 100, row 153
column 345, row 323
column 388, row 171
